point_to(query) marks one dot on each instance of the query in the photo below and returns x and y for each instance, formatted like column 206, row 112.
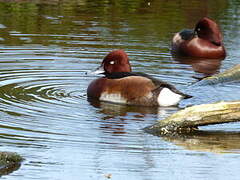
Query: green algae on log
column 190, row 118
column 9, row 162
column 229, row 75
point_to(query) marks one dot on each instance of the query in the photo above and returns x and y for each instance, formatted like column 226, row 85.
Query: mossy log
column 229, row 75
column 190, row 118
column 9, row 162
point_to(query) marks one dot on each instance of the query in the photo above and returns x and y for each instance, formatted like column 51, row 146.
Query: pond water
column 45, row 49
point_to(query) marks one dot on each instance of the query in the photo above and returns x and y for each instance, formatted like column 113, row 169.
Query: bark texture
column 190, row 118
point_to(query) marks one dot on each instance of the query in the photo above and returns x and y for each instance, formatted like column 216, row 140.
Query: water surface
column 45, row 50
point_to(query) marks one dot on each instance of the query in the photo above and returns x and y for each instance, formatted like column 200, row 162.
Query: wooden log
column 229, row 75
column 188, row 119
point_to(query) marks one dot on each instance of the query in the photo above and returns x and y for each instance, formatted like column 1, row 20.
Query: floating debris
column 109, row 176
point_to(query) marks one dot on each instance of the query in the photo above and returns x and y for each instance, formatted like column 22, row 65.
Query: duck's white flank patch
column 167, row 97
column 116, row 98
column 177, row 39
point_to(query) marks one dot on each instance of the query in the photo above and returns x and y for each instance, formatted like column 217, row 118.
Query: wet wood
column 229, row 75
column 188, row 119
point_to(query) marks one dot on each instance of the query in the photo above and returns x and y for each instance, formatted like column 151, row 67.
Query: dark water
column 46, row 47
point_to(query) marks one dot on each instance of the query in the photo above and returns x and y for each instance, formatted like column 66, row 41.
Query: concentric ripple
column 43, row 88
column 37, row 103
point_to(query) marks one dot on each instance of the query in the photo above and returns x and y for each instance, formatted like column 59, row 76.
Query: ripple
column 51, row 95
column 42, row 86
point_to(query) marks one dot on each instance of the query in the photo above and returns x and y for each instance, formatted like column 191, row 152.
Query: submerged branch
column 229, row 75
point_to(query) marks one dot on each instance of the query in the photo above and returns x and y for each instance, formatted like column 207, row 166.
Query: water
column 45, row 50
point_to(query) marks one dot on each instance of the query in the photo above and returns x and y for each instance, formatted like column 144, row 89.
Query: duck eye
column 111, row 62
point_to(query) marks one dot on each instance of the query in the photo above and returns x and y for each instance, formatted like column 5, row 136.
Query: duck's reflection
column 208, row 141
column 111, row 110
column 116, row 116
column 206, row 67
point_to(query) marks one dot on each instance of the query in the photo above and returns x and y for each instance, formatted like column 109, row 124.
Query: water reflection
column 116, row 116
column 115, row 21
column 208, row 141
column 206, row 67
column 112, row 110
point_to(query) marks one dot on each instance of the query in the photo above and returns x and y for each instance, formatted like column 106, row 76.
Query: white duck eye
column 111, row 62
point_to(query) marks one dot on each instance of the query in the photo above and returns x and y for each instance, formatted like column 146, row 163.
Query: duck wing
column 159, row 84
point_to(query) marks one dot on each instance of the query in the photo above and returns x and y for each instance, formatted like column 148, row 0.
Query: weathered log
column 190, row 118
column 9, row 162
column 229, row 75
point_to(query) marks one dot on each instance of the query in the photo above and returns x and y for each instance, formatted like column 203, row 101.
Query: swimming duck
column 205, row 41
column 120, row 85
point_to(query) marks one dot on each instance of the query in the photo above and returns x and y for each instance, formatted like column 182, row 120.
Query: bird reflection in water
column 206, row 67
column 116, row 116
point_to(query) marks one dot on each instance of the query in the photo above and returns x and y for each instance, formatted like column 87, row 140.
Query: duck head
column 115, row 61
column 208, row 30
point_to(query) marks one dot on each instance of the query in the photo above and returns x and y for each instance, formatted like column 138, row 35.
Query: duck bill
column 99, row 70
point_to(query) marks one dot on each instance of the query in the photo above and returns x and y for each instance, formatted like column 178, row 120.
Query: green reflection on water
column 150, row 20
